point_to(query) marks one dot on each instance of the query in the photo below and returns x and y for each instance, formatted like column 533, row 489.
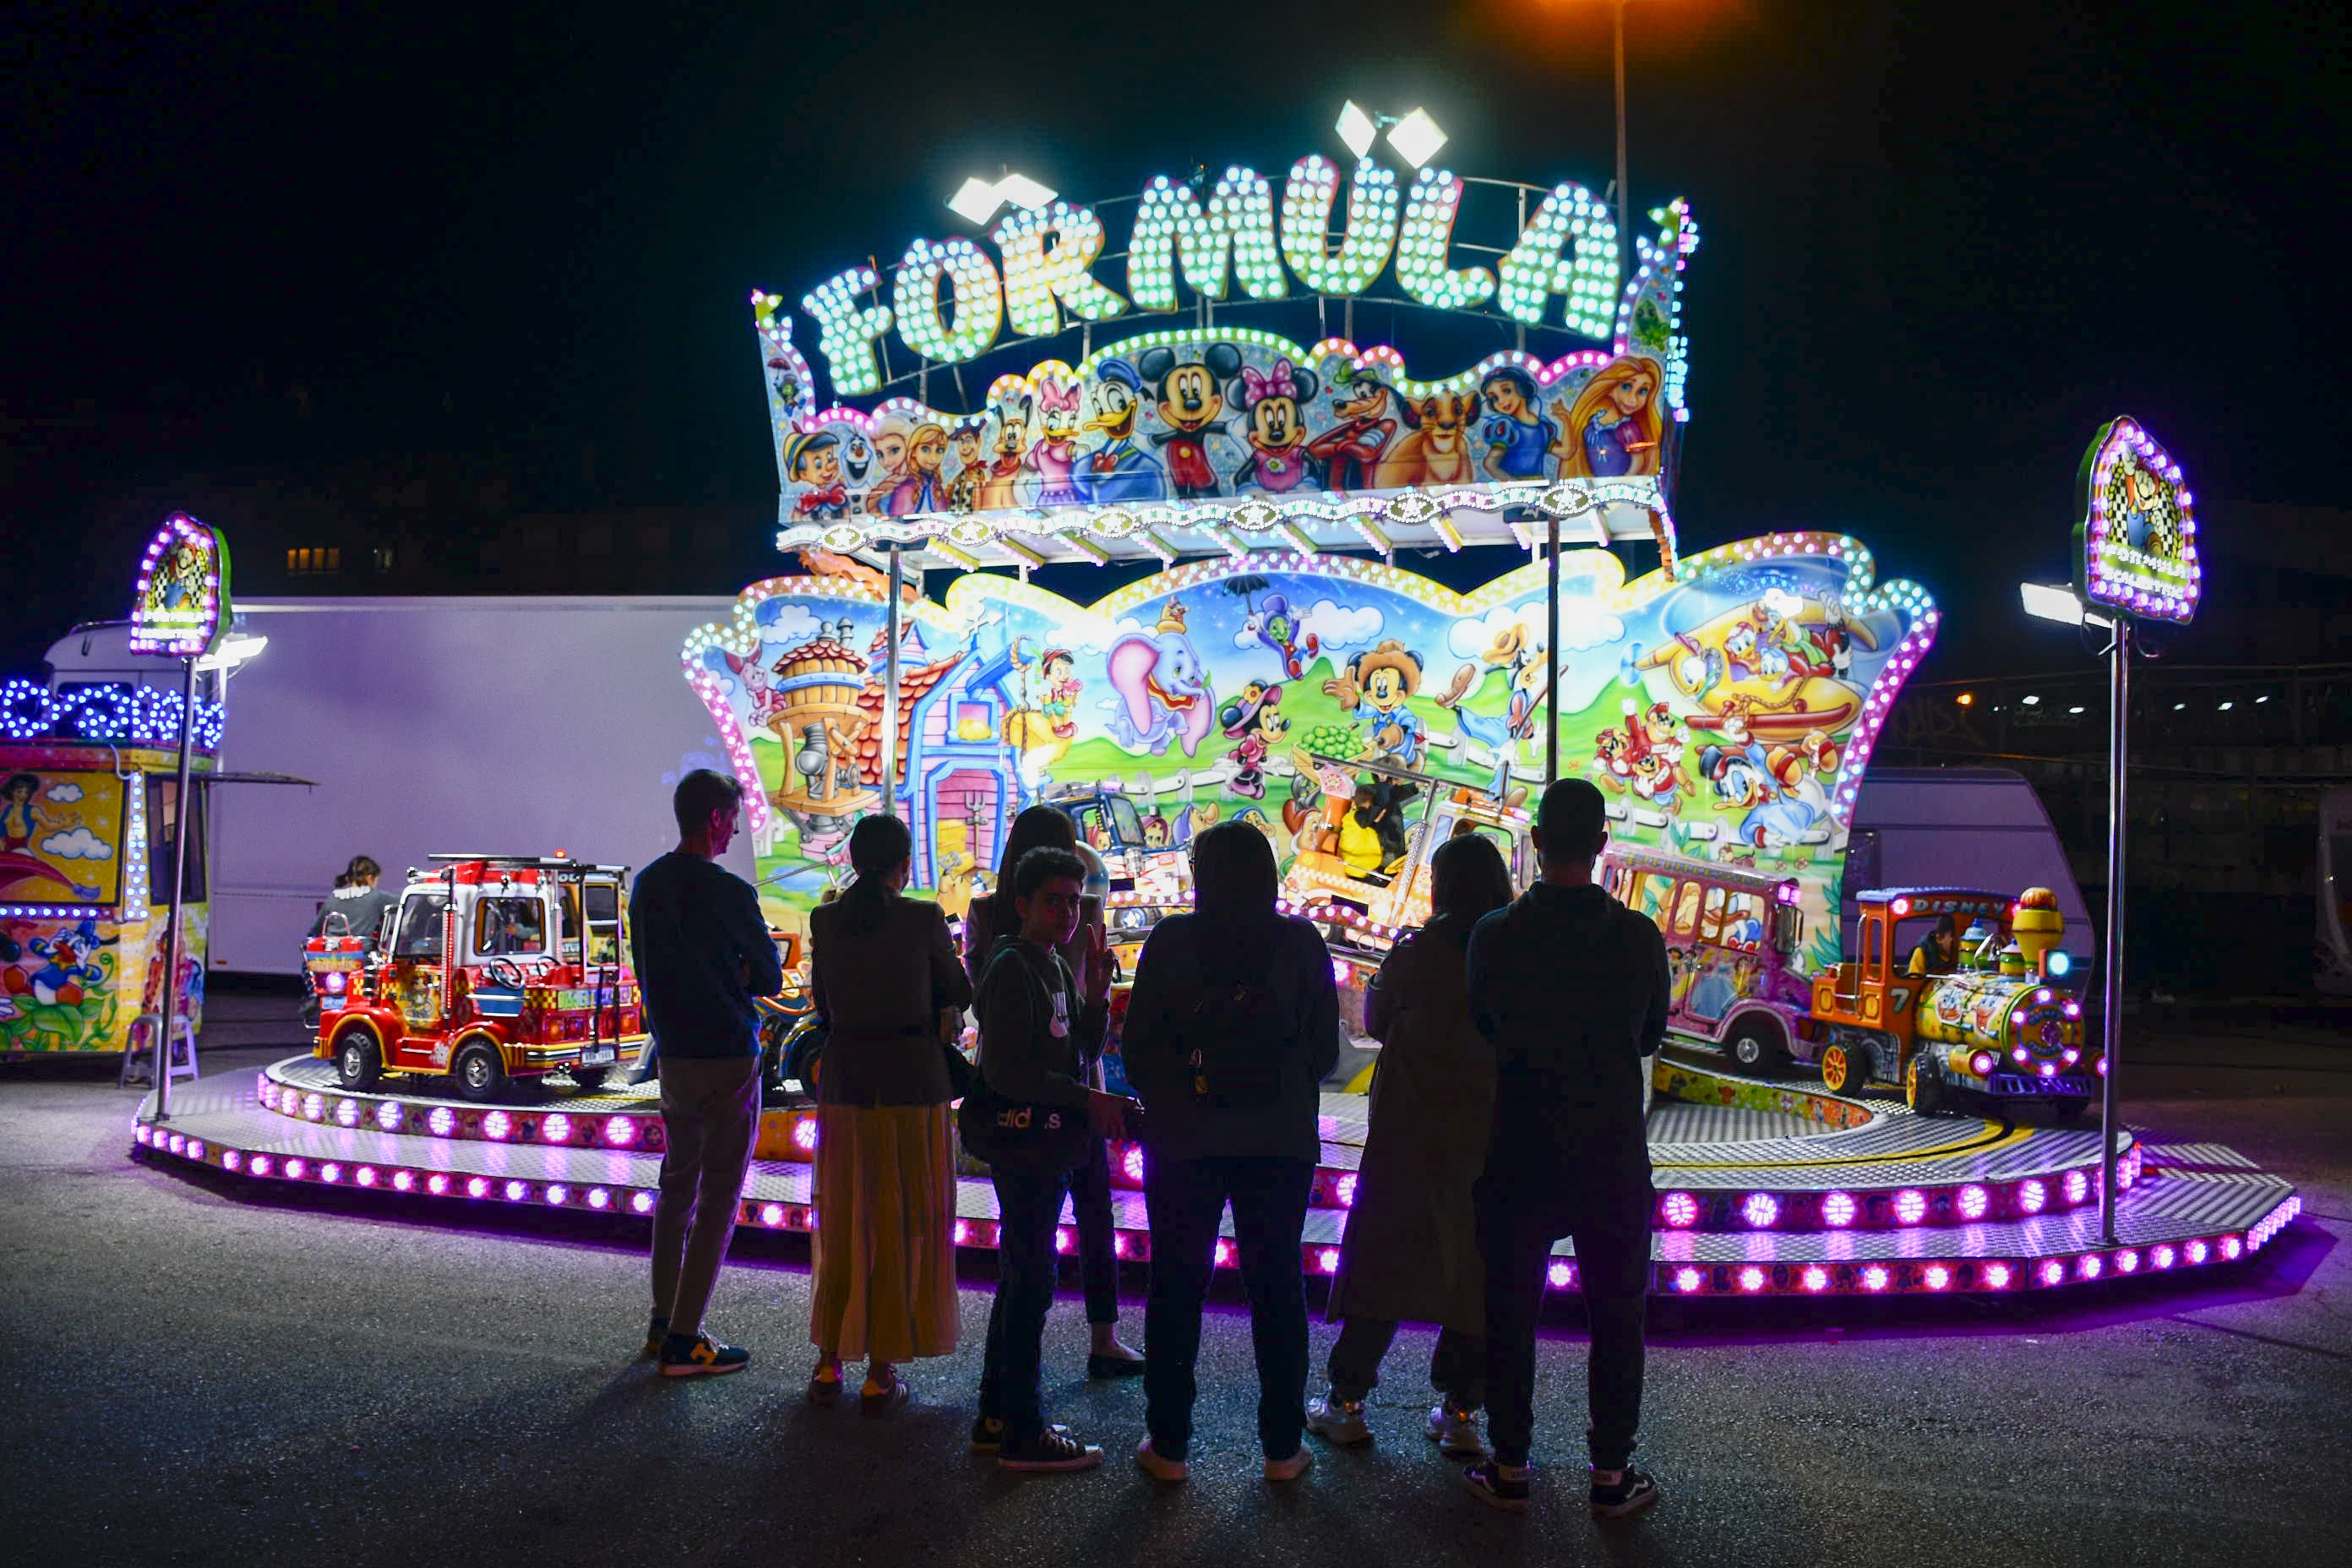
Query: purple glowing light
column 1996, row 1275
column 1559, row 1276
column 2162, row 1255
column 1839, row 1210
column 331, row 1172
column 1935, row 1277
column 2032, row 1195
column 772, row 1215
column 387, row 1116
column 196, row 1149
column 477, row 1186
column 2127, row 1261
column 555, row 1128
column 557, row 1195
column 641, row 1202
column 2090, row 1266
column 1681, row 1210
column 442, row 1121
column 231, row 1160
column 1225, row 1255
column 261, row 1165
column 1816, row 1278
column 437, row 1184
column 1910, row 1206
column 1972, row 1201
column 1345, row 1191
column 364, row 1175
column 2230, row 1247
column 2078, row 1186
column 1065, row 1241
column 1688, row 1279
column 620, row 1131
column 598, row 1198
column 961, row 1232
column 517, row 1191
column 496, row 1125
column 1327, row 1260
column 347, row 1113
column 804, row 1134
column 2052, row 1271
column 403, row 1182
column 179, row 1142
column 1874, row 1277
column 1761, row 1210
column 314, row 1106
column 1752, row 1277
column 297, row 1169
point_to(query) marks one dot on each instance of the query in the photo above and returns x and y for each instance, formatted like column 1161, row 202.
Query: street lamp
column 1416, row 136
column 976, row 200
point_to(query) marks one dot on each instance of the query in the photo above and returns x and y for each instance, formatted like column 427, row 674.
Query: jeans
column 1028, row 1210
column 1097, row 1234
column 709, row 1111
column 1608, row 1213
column 1186, row 1198
column 1457, row 1369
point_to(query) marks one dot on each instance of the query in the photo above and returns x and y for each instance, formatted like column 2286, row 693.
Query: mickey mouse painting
column 1189, row 393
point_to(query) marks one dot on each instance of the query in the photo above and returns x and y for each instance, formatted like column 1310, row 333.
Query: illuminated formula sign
column 2136, row 547
column 947, row 299
column 179, row 603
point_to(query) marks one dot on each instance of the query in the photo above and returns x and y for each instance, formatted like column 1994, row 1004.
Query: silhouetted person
column 1572, row 988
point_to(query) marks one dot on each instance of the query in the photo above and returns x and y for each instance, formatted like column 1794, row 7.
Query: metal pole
column 890, row 695
column 161, row 1045
column 2118, row 716
column 1551, row 656
column 1624, row 234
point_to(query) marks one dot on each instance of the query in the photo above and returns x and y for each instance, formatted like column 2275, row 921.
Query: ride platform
column 1763, row 1188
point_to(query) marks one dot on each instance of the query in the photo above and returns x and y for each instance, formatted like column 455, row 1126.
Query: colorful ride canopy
column 1174, row 434
column 1728, row 713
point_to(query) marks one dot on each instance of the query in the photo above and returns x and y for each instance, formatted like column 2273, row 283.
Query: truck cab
column 488, row 969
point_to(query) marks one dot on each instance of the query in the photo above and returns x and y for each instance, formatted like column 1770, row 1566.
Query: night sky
column 1942, row 242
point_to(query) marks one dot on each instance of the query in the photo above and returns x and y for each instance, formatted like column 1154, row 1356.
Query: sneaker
column 657, row 1330
column 1338, row 1421
column 1104, row 1367
column 1634, row 1491
column 699, row 1355
column 1291, row 1468
column 1498, row 1485
column 988, row 1433
column 1158, row 1466
column 1052, row 1449
column 824, row 1390
column 879, row 1399
column 1455, row 1431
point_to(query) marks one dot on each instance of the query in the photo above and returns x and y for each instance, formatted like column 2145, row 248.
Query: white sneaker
column 1157, row 1466
column 1456, row 1433
column 1291, row 1468
column 1338, row 1421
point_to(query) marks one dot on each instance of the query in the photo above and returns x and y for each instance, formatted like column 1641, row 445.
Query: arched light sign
column 1165, row 443
column 180, row 606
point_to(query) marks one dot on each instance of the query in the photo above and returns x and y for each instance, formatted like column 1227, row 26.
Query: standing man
column 702, row 952
column 1570, row 987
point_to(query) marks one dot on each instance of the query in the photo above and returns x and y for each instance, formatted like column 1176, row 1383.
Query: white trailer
column 498, row 726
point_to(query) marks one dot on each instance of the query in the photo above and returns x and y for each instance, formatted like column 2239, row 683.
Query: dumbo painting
column 1163, row 692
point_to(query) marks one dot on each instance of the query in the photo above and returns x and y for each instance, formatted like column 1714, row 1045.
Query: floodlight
column 233, row 651
column 1416, row 138
column 975, row 201
column 1356, row 129
column 2050, row 604
column 1023, row 192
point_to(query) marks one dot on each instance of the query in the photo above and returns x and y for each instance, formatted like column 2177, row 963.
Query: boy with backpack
column 1031, row 1115
column 1232, row 1026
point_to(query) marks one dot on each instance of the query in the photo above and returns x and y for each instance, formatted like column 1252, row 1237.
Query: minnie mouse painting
column 1278, row 461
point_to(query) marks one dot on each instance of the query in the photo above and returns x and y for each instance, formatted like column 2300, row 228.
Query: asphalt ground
column 201, row 1373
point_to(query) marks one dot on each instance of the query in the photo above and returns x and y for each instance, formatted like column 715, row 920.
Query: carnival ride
column 1280, row 668
column 491, row 970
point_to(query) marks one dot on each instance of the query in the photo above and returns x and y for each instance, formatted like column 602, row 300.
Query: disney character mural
column 1278, row 462
column 1188, row 395
column 1614, row 428
column 1011, row 696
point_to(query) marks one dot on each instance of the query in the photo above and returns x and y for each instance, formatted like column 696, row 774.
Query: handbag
column 1040, row 1135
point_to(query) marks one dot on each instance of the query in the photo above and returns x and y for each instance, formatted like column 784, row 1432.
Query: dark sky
column 1942, row 242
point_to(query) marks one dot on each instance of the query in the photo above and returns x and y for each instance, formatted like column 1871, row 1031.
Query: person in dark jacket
column 1411, row 1251
column 1039, row 1029
column 1203, row 1149
column 702, row 952
column 1047, row 827
column 1571, row 989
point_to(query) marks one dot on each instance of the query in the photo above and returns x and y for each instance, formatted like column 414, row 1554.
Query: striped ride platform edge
column 1839, row 1226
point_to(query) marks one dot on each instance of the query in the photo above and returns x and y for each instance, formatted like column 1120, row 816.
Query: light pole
column 2059, row 605
column 1624, row 234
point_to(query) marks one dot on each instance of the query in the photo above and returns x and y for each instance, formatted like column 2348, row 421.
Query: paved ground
column 191, row 1375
